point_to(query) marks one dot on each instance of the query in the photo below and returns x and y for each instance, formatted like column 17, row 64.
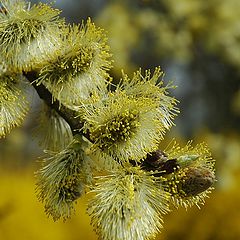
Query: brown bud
column 156, row 158
column 197, row 180
column 159, row 161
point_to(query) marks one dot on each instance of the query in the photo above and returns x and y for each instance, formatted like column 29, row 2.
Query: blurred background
column 197, row 44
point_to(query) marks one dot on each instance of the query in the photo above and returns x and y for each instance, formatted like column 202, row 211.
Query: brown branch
column 69, row 115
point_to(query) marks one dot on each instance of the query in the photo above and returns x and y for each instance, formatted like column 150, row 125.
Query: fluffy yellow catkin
column 29, row 35
column 79, row 68
column 13, row 103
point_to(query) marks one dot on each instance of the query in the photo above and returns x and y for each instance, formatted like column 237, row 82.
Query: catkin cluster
column 98, row 137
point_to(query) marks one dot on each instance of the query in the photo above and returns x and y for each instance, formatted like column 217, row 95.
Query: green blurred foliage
column 198, row 46
column 173, row 29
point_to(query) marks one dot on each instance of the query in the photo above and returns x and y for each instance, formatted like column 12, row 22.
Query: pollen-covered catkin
column 129, row 122
column 13, row 103
column 62, row 179
column 29, row 35
column 79, row 68
column 129, row 204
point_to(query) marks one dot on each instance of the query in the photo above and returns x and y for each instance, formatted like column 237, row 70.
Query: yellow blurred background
column 197, row 43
